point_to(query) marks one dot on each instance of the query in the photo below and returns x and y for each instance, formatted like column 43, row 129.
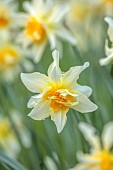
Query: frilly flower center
column 109, row 1
column 35, row 31
column 4, row 18
column 106, row 160
column 8, row 56
column 61, row 99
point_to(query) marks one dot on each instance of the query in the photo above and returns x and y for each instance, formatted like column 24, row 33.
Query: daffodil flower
column 43, row 22
column 8, row 141
column 57, row 92
column 11, row 59
column 100, row 156
column 7, row 9
column 108, row 50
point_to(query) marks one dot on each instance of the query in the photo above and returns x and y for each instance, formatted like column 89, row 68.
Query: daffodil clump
column 101, row 155
column 71, row 35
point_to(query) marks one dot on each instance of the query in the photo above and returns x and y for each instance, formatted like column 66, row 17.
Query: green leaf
column 11, row 163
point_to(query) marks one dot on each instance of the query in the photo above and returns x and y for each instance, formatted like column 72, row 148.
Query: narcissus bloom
column 101, row 155
column 8, row 141
column 57, row 92
column 43, row 22
column 11, row 59
column 7, row 8
column 108, row 50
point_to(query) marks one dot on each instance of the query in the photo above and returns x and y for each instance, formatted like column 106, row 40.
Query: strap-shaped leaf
column 11, row 163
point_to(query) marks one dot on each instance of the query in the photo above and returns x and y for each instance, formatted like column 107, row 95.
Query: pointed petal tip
column 103, row 62
column 55, row 53
column 86, row 64
column 108, row 20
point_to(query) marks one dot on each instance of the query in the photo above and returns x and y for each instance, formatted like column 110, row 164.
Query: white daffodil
column 100, row 156
column 8, row 141
column 108, row 51
column 11, row 59
column 7, row 9
column 57, row 92
column 43, row 22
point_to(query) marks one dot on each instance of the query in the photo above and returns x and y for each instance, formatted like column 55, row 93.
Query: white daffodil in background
column 101, row 155
column 8, row 140
column 7, row 9
column 11, row 58
column 108, row 50
column 57, row 92
column 43, row 22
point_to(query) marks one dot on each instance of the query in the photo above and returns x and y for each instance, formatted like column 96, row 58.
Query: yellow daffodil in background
column 101, row 155
column 43, row 22
column 11, row 58
column 108, row 50
column 8, row 141
column 7, row 9
column 57, row 92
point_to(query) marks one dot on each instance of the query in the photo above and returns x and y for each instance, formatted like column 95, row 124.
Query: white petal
column 54, row 71
column 80, row 166
column 87, row 158
column 34, row 81
column 40, row 111
column 83, row 89
column 12, row 147
column 106, row 60
column 90, row 134
column 71, row 76
column 38, row 52
column 60, row 119
column 24, row 40
column 64, row 34
column 110, row 29
column 29, row 8
column 84, row 105
column 86, row 166
column 109, row 53
column 107, row 137
column 59, row 13
column 52, row 40
column 34, row 100
column 20, row 19
column 108, row 50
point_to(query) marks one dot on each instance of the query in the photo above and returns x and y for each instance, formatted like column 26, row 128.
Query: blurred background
column 26, row 144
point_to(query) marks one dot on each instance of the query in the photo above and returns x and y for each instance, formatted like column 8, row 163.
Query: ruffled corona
column 9, row 56
column 4, row 18
column 35, row 31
